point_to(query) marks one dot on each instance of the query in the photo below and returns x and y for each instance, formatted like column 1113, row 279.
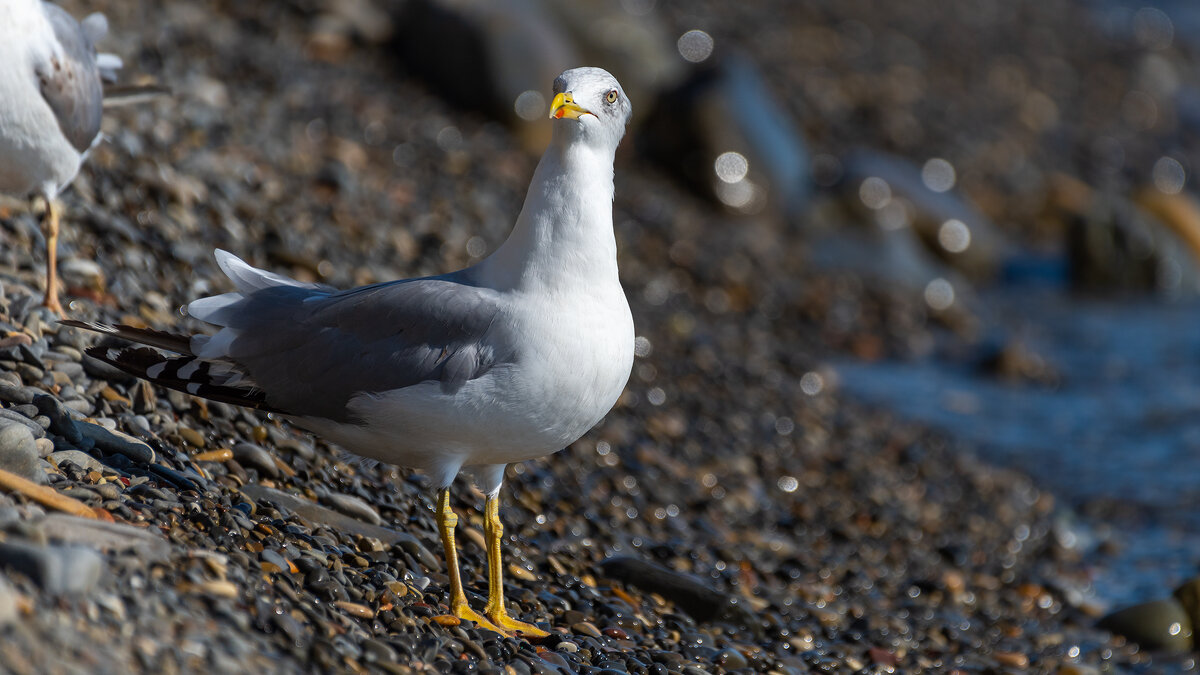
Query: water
column 1122, row 425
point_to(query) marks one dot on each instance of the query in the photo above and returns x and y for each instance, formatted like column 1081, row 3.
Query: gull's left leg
column 493, row 531
column 50, row 230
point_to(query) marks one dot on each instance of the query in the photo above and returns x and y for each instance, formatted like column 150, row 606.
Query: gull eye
column 612, row 96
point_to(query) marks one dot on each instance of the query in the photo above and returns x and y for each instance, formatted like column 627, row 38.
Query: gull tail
column 215, row 380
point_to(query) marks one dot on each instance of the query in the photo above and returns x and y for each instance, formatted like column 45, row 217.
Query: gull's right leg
column 447, row 519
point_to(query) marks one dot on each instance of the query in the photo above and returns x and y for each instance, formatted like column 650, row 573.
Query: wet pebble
column 256, row 457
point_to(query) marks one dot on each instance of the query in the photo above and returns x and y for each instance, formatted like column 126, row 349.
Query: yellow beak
column 563, row 105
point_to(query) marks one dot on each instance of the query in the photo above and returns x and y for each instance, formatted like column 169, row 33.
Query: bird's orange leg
column 493, row 532
column 447, row 519
column 50, row 230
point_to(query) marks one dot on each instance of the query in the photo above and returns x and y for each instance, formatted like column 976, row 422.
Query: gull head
column 590, row 104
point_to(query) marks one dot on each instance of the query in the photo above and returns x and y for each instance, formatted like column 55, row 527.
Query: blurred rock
column 698, row 599
column 8, row 602
column 724, row 134
column 893, row 192
column 146, row 543
column 483, row 55
column 56, row 569
column 1113, row 245
column 498, row 57
column 1158, row 624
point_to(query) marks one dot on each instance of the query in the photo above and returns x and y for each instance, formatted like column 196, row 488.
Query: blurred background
column 979, row 216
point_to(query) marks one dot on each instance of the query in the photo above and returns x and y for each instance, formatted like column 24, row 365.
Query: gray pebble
column 27, row 409
column 251, row 455
column 79, row 405
column 45, row 446
column 30, row 373
column 83, row 494
column 57, row 569
column 10, row 416
column 70, row 369
column 108, row 491
column 354, row 507
column 116, row 442
column 10, row 393
column 60, row 420
column 79, row 458
column 19, row 453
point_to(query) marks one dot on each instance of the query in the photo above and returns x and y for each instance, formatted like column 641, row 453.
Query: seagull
column 511, row 359
column 51, row 99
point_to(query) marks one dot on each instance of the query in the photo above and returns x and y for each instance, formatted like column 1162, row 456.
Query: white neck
column 565, row 230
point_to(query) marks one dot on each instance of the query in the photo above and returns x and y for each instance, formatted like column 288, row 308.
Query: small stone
column 79, row 458
column 60, row 420
column 355, row 609
column 45, row 446
column 7, row 415
column 192, row 437
column 1158, row 624
column 355, row 508
column 1012, row 659
column 113, row 441
column 113, row 396
column 302, row 449
column 730, row 659
column 19, row 453
column 586, row 628
column 219, row 455
column 56, row 569
column 220, row 588
column 693, row 596
column 256, row 457
column 10, row 393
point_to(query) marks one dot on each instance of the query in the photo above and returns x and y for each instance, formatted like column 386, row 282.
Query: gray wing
column 70, row 83
column 309, row 350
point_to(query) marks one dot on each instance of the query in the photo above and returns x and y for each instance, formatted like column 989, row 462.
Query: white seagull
column 50, row 105
column 513, row 358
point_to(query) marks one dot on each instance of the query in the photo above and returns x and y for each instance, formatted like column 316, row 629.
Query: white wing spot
column 155, row 371
column 193, row 388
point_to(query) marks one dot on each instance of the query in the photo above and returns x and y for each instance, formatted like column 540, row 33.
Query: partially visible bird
column 510, row 359
column 51, row 99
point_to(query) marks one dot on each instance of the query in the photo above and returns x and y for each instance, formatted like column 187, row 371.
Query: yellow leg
column 493, row 531
column 50, row 230
column 447, row 519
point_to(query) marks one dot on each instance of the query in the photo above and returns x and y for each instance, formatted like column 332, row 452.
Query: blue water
column 1122, row 424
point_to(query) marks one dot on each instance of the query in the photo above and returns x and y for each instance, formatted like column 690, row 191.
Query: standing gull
column 508, row 360
column 50, row 105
